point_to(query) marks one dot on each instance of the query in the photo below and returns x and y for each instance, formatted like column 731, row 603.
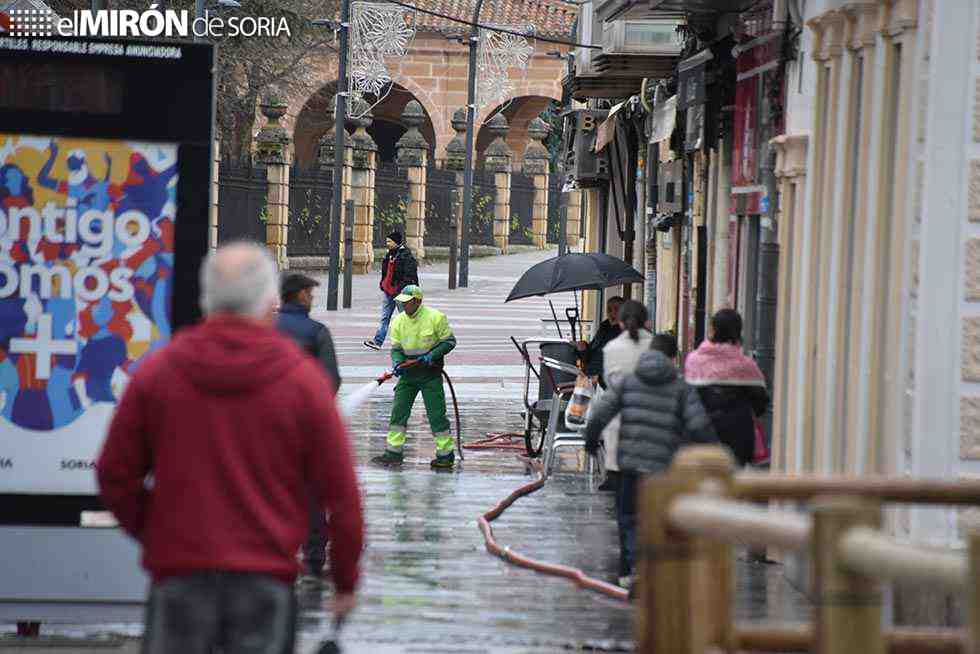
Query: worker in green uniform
column 420, row 338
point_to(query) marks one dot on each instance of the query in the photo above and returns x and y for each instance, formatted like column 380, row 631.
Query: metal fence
column 390, row 201
column 242, row 191
column 440, row 185
column 521, row 209
column 484, row 192
column 310, row 198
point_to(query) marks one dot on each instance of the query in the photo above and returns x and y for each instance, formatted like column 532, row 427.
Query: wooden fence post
column 714, row 577
column 847, row 619
column 683, row 584
column 973, row 593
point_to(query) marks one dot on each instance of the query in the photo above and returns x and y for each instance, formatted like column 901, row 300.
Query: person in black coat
column 398, row 270
column 296, row 293
column 731, row 386
column 590, row 353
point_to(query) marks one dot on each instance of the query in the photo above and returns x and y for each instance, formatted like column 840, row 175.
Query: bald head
column 240, row 279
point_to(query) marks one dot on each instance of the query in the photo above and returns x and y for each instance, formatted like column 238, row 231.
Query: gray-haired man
column 236, row 425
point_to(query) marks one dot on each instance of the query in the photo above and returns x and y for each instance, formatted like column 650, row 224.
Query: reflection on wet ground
column 429, row 584
column 429, row 581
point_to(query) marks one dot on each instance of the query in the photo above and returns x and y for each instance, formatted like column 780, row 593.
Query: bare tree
column 250, row 65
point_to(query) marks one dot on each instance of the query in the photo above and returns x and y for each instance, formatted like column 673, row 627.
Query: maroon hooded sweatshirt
column 236, row 425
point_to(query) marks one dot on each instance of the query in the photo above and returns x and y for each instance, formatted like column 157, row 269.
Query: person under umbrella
column 590, row 353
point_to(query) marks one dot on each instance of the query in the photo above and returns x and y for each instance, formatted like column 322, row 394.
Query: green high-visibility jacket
column 426, row 332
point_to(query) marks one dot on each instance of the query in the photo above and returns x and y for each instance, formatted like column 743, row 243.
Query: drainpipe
column 767, row 287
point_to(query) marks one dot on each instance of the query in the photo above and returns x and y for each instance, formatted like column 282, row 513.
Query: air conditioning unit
column 649, row 37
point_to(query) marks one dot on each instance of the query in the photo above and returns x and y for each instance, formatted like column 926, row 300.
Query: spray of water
column 349, row 404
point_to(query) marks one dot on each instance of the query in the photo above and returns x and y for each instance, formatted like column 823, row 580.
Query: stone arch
column 311, row 123
column 519, row 112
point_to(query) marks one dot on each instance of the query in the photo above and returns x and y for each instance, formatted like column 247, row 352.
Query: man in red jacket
column 209, row 463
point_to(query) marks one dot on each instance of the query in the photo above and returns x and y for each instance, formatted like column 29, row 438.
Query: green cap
column 410, row 292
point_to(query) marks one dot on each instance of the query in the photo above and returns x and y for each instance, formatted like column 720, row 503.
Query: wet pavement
column 428, row 583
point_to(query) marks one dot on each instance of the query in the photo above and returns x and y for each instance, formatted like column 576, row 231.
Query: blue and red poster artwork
column 86, row 270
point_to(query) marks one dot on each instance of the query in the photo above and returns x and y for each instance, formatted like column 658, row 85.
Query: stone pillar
column 573, row 226
column 272, row 149
column 215, row 189
column 325, row 158
column 456, row 161
column 413, row 152
column 536, row 166
column 498, row 160
column 364, row 162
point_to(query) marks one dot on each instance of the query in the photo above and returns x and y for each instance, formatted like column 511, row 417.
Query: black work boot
column 389, row 459
column 443, row 461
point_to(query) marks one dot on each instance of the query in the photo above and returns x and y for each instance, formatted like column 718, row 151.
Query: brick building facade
column 435, row 72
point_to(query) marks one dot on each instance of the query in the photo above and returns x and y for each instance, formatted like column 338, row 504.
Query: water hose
column 459, row 429
column 553, row 569
column 495, row 441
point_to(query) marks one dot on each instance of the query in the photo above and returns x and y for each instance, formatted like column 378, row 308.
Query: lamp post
column 340, row 120
column 464, row 244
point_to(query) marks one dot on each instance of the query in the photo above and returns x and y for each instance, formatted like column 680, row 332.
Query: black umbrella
column 574, row 272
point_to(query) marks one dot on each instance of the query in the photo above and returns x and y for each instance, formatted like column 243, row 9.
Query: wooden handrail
column 799, row 638
column 755, row 486
column 730, row 521
column 693, row 513
column 872, row 553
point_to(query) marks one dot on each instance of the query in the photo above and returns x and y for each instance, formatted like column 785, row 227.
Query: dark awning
column 703, row 6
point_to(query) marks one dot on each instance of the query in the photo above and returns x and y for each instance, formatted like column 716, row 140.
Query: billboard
column 87, row 243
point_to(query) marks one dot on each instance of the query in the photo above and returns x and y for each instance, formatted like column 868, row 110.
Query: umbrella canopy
column 574, row 272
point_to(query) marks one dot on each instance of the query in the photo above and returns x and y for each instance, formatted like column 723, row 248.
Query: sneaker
column 389, row 459
column 371, row 345
column 443, row 461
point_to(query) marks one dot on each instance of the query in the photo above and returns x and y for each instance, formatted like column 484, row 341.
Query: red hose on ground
column 554, row 569
column 493, row 442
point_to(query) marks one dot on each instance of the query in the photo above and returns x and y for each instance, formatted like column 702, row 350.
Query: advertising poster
column 86, row 270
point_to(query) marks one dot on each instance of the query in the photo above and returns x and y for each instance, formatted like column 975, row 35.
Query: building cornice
column 863, row 19
column 791, row 151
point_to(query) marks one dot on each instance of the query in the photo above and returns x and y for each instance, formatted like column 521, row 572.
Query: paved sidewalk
column 429, row 584
column 481, row 320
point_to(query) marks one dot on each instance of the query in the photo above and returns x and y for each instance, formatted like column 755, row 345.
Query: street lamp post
column 464, row 244
column 339, row 152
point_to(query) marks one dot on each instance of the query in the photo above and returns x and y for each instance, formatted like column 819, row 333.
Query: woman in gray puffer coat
column 659, row 413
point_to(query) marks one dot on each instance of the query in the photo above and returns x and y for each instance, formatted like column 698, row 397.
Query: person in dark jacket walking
column 296, row 294
column 658, row 413
column 235, row 425
column 398, row 270
column 730, row 384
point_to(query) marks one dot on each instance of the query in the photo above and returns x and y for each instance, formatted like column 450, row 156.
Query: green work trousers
column 434, row 397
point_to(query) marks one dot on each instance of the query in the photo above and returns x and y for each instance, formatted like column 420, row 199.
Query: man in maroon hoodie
column 209, row 463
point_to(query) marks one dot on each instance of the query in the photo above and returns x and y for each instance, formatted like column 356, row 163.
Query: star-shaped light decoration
column 378, row 31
